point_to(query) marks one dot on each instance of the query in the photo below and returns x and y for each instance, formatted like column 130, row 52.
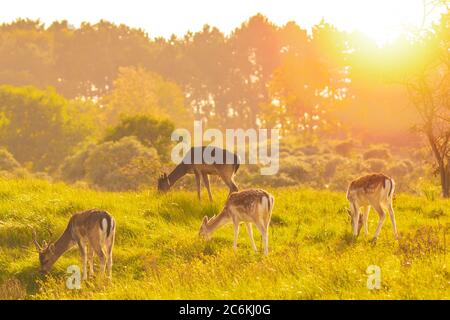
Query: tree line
column 323, row 82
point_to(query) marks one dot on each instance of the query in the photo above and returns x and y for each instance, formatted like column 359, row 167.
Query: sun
column 381, row 20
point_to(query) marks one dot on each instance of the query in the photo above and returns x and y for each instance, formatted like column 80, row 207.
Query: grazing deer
column 93, row 231
column 376, row 190
column 248, row 206
column 225, row 169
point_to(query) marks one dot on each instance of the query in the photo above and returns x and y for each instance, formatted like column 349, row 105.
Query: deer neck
column 179, row 171
column 216, row 222
column 63, row 243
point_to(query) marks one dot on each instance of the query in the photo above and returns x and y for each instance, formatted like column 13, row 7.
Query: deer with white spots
column 253, row 206
column 94, row 233
column 373, row 190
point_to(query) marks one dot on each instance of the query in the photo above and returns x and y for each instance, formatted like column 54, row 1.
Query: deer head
column 163, row 183
column 204, row 228
column 353, row 218
column 46, row 252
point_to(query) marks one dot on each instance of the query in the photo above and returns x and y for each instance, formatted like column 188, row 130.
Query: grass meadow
column 159, row 255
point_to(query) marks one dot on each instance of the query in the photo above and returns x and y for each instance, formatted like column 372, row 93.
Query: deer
column 94, row 233
column 252, row 206
column 226, row 168
column 374, row 190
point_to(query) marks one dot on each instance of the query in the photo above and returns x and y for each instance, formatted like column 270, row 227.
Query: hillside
column 159, row 255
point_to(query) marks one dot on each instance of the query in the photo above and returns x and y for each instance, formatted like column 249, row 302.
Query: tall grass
column 158, row 254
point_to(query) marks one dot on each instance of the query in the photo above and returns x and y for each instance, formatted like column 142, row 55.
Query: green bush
column 10, row 167
column 377, row 153
column 331, row 166
column 151, row 132
column 400, row 169
column 39, row 127
column 376, row 165
column 7, row 161
column 115, row 166
column 344, row 148
column 73, row 167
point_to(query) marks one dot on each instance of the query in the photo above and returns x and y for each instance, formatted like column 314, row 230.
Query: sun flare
column 382, row 20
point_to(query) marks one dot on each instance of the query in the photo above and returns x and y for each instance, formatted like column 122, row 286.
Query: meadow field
column 159, row 255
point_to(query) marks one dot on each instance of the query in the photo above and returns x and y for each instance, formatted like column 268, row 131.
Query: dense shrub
column 296, row 169
column 9, row 166
column 73, row 167
column 40, row 127
column 7, row 161
column 376, row 165
column 344, row 148
column 400, row 169
column 331, row 166
column 151, row 132
column 310, row 150
column 377, row 153
column 116, row 166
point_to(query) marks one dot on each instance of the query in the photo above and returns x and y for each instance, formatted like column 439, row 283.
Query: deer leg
column 250, row 234
column 265, row 236
column 266, row 242
column 91, row 260
column 102, row 257
column 197, row 181
column 382, row 215
column 392, row 216
column 365, row 220
column 236, row 233
column 82, row 247
column 206, row 182
column 109, row 249
column 228, row 179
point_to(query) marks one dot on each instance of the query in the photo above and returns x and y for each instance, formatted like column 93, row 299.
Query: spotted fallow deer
column 93, row 231
column 376, row 190
column 220, row 162
column 247, row 206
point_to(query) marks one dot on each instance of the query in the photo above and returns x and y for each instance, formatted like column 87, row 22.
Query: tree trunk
column 446, row 181
column 443, row 168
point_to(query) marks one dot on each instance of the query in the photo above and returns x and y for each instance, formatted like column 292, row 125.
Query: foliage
column 7, row 161
column 376, row 153
column 149, row 131
column 137, row 91
column 113, row 165
column 315, row 166
column 38, row 127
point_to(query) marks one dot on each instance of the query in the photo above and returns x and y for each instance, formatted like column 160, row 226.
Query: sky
column 380, row 19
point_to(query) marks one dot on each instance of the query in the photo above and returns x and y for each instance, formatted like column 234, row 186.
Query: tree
column 149, row 131
column 137, row 91
column 428, row 85
column 309, row 81
column 26, row 53
column 38, row 127
column 256, row 52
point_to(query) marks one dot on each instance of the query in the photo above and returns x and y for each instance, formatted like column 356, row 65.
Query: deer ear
column 205, row 219
column 44, row 244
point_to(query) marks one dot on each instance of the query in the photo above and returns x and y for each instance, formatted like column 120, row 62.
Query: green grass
column 158, row 254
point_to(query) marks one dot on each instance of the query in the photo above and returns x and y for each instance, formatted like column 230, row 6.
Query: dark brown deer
column 93, row 231
column 222, row 163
